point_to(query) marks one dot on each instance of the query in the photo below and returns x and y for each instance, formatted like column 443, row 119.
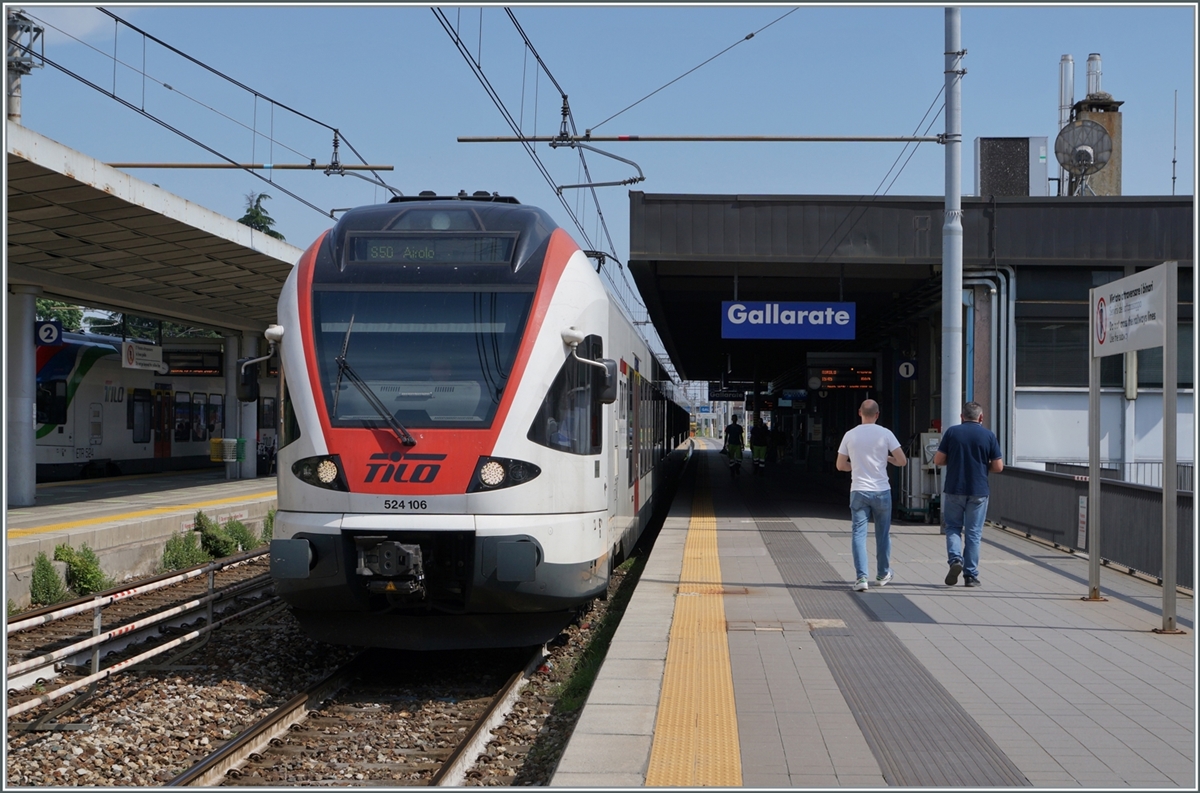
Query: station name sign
column 1127, row 314
column 749, row 319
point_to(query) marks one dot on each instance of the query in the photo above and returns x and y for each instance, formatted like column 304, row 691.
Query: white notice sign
column 1127, row 315
column 141, row 356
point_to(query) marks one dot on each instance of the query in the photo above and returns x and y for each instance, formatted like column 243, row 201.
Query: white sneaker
column 883, row 580
column 860, row 585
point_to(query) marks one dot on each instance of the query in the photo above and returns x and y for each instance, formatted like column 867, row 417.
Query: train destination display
column 431, row 249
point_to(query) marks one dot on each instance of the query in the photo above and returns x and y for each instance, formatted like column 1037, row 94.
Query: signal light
column 495, row 473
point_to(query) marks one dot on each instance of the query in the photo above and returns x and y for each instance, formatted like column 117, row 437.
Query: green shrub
column 183, row 551
column 46, row 587
column 268, row 529
column 238, row 532
column 213, row 538
column 12, row 607
column 84, row 575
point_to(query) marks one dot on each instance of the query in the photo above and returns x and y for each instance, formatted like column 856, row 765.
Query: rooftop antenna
column 1175, row 142
column 1082, row 148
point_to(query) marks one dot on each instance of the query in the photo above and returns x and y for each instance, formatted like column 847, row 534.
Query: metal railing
column 1045, row 505
column 1141, row 473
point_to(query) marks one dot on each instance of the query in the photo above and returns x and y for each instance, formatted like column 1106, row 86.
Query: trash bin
column 240, row 450
column 216, row 451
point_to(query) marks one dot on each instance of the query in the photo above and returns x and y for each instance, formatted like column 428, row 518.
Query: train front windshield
column 433, row 359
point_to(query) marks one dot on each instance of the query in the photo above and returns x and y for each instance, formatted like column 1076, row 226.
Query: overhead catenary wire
column 169, row 127
column 146, row 76
column 570, row 119
column 496, row 100
column 235, row 82
column 745, row 38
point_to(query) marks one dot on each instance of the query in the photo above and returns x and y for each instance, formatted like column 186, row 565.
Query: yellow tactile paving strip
column 695, row 735
column 141, row 513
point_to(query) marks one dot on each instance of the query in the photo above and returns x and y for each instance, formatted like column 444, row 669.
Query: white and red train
column 472, row 433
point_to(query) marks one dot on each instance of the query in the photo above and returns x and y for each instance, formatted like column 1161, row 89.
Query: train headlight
column 494, row 473
column 491, row 474
column 324, row 471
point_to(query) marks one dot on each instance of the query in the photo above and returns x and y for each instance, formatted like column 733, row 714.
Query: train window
column 51, row 402
column 199, row 411
column 435, row 359
column 570, row 417
column 439, row 219
column 267, row 416
column 140, row 418
column 214, row 416
column 183, row 416
column 290, row 428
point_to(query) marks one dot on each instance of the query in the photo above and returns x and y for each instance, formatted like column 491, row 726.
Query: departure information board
column 835, row 378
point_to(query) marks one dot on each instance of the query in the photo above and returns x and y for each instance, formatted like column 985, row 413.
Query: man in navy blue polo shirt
column 968, row 451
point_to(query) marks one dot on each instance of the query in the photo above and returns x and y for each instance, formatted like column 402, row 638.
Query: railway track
column 58, row 650
column 383, row 718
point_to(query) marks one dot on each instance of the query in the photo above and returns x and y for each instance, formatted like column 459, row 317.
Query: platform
column 125, row 520
column 745, row 659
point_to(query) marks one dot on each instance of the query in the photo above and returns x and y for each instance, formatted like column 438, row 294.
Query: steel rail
column 51, row 613
column 212, row 769
column 258, row 582
column 454, row 770
column 50, row 696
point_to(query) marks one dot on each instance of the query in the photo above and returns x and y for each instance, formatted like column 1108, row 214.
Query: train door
column 163, row 417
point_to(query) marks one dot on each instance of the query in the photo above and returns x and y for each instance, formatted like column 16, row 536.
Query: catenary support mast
column 952, row 231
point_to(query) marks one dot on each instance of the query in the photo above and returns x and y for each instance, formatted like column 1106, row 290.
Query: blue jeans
column 863, row 506
column 964, row 529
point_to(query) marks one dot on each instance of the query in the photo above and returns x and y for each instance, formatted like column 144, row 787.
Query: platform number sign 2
column 907, row 370
column 48, row 332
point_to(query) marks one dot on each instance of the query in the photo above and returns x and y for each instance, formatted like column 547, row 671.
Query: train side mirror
column 247, row 384
column 607, row 388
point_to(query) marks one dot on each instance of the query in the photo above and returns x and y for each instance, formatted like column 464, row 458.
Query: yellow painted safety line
column 695, row 734
column 144, row 513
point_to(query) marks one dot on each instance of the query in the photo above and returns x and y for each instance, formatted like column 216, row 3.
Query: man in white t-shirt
column 865, row 452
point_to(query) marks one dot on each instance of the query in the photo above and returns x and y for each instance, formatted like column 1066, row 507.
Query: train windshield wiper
column 344, row 368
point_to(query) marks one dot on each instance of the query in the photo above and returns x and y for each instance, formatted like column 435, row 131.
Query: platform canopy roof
column 690, row 252
column 90, row 234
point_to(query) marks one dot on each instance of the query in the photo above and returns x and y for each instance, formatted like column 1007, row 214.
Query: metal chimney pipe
column 1093, row 73
column 1066, row 89
column 1066, row 101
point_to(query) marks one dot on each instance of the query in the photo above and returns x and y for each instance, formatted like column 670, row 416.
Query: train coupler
column 394, row 567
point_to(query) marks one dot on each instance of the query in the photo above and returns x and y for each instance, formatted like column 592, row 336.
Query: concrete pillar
column 232, row 409
column 249, row 412
column 22, row 395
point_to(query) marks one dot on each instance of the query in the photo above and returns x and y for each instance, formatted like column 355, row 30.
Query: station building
column 1028, row 265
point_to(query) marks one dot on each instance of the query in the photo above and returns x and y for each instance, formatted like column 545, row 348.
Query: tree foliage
column 256, row 216
column 69, row 316
column 109, row 324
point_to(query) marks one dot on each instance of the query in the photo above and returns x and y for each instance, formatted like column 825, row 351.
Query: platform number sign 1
column 907, row 370
column 48, row 332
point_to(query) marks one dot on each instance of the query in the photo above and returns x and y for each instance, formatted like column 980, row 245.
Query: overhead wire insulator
column 335, row 164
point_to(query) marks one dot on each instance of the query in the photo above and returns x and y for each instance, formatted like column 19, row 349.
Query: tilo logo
column 395, row 465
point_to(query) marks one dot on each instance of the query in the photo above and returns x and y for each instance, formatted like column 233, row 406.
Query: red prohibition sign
column 1101, row 321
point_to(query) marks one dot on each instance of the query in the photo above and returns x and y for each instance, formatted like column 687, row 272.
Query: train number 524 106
column 411, row 505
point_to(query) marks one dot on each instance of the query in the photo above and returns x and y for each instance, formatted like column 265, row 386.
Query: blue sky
column 391, row 79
